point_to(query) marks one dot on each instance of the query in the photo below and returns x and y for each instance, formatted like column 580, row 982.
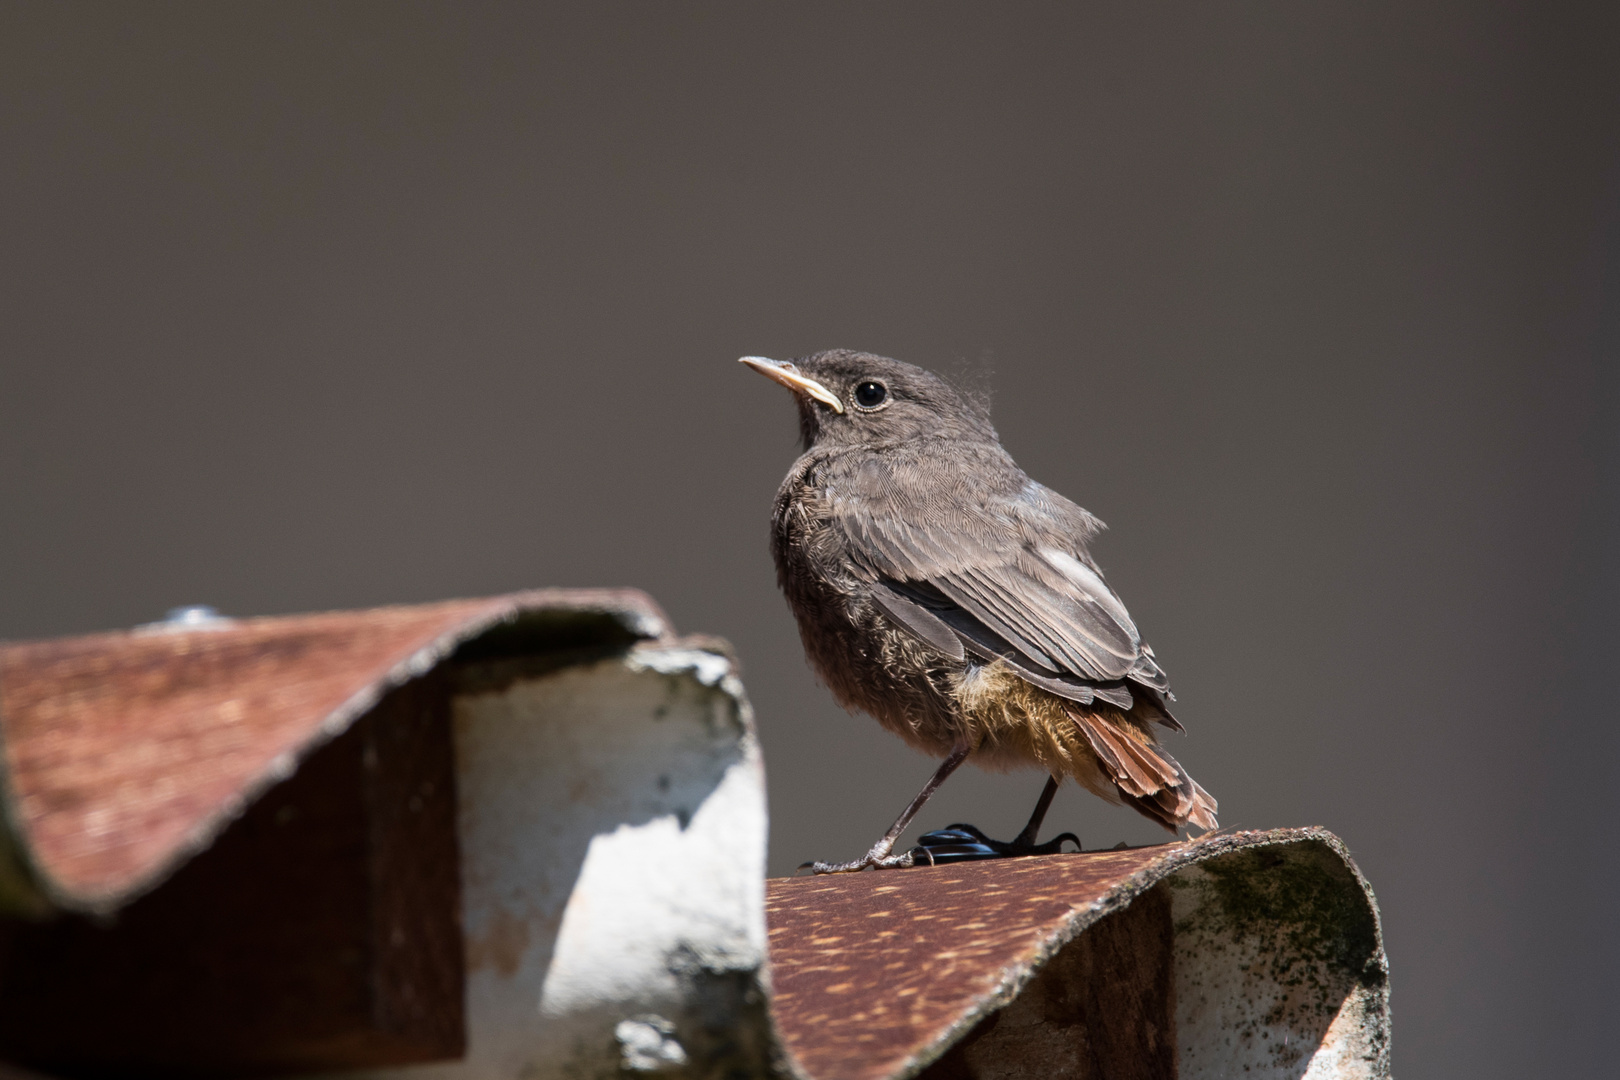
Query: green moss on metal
column 1307, row 897
column 1299, row 934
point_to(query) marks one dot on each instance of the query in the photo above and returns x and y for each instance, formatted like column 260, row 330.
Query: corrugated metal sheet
column 876, row 975
column 126, row 752
column 1255, row 954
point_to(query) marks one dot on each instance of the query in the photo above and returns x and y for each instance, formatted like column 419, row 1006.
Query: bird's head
column 851, row 398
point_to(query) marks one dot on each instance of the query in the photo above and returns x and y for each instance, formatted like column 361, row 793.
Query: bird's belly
column 935, row 703
column 873, row 666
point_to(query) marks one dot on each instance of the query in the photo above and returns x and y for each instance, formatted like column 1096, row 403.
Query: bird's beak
column 788, row 375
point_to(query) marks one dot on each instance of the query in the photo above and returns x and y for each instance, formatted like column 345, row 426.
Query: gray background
column 317, row 306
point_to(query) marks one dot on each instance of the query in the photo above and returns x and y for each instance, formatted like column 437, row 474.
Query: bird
column 939, row 589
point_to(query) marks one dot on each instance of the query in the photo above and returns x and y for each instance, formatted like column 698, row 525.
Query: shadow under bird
column 950, row 596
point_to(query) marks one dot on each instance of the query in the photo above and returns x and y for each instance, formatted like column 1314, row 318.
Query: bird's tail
column 1146, row 776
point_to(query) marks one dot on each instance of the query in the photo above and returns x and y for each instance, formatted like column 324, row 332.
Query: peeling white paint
column 613, row 849
column 706, row 667
column 648, row 1044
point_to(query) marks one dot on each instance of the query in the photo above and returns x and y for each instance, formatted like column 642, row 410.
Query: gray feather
column 919, row 620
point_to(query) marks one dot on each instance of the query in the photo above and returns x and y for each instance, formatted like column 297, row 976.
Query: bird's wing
column 999, row 563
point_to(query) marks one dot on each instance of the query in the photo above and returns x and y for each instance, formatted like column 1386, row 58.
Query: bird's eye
column 869, row 395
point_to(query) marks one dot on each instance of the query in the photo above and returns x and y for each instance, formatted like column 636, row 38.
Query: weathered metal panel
column 613, row 844
column 612, row 825
column 1280, row 972
column 127, row 752
column 1102, row 1008
column 322, row 929
column 878, row 975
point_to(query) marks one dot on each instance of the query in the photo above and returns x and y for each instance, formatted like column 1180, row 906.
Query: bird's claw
column 871, row 859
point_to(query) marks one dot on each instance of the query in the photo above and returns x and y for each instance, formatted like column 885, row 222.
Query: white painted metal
column 1262, row 990
column 613, row 850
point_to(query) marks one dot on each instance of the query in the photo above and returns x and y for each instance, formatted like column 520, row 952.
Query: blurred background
column 310, row 306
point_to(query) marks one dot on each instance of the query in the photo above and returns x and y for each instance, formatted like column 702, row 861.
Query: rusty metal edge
column 1015, row 977
column 21, row 890
column 27, row 890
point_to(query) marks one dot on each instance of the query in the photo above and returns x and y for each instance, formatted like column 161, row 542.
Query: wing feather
column 968, row 600
column 1002, row 561
column 919, row 620
column 1031, row 602
column 1005, row 619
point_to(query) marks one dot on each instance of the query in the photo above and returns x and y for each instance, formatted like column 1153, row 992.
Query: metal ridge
column 126, row 753
column 876, row 975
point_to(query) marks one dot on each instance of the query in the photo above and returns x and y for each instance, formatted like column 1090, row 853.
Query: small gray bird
column 950, row 596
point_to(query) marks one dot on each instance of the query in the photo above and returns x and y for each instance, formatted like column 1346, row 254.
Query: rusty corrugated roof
column 876, row 974
column 127, row 752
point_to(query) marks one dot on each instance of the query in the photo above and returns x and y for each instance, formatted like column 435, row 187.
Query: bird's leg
column 1038, row 815
column 880, row 856
column 961, row 841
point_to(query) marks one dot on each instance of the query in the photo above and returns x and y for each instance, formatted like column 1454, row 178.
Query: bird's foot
column 872, row 859
column 964, row 843
column 881, row 857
